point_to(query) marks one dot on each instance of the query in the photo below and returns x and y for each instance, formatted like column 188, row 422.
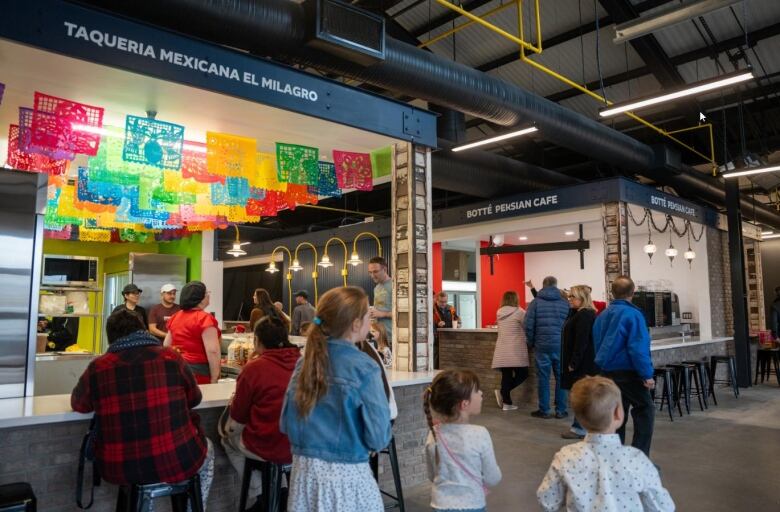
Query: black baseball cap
column 131, row 288
column 302, row 293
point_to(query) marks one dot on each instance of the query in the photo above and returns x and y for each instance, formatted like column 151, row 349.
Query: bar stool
column 137, row 498
column 766, row 359
column 666, row 393
column 702, row 370
column 271, row 476
column 693, row 384
column 731, row 368
column 17, row 497
column 682, row 383
column 394, row 467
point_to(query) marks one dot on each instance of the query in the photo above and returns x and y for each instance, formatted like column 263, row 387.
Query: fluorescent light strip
column 750, row 172
column 491, row 140
column 765, row 237
column 636, row 105
column 765, row 233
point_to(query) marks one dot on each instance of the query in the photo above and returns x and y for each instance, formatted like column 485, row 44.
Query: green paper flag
column 382, row 161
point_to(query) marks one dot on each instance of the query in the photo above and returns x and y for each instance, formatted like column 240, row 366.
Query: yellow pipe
column 289, row 277
column 344, row 271
column 489, row 26
column 462, row 26
column 521, row 28
column 366, row 233
column 314, row 274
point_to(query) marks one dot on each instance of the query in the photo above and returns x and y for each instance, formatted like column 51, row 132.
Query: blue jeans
column 545, row 361
column 577, row 428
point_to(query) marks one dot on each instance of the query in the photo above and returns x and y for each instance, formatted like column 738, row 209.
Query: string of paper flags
column 146, row 182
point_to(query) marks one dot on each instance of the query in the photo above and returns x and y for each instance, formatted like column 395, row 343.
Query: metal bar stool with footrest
column 395, row 468
column 702, row 371
column 271, row 478
column 692, row 384
column 17, row 497
column 731, row 369
column 138, row 498
column 667, row 396
column 767, row 360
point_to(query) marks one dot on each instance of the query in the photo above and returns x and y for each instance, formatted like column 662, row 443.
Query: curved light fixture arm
column 314, row 274
column 364, row 234
column 288, row 276
column 344, row 271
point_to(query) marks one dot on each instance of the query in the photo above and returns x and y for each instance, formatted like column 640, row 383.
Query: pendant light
column 236, row 249
column 690, row 254
column 671, row 252
column 649, row 247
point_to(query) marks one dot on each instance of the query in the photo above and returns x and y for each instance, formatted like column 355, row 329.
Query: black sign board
column 572, row 197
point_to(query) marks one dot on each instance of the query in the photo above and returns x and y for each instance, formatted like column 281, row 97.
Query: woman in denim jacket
column 335, row 411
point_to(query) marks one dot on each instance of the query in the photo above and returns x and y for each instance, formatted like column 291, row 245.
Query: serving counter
column 473, row 349
column 40, row 438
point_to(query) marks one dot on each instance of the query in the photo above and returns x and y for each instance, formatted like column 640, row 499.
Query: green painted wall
column 110, row 261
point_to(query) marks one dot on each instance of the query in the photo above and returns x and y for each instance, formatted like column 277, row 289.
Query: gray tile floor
column 724, row 459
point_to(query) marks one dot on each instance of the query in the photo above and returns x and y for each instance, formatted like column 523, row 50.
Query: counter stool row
column 680, row 382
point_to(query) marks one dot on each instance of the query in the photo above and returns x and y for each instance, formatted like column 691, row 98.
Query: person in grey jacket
column 543, row 325
column 303, row 313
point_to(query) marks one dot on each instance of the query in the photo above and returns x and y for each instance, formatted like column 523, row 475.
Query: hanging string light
column 649, row 247
column 671, row 252
column 689, row 255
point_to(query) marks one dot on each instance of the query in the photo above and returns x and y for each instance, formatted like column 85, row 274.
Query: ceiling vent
column 347, row 31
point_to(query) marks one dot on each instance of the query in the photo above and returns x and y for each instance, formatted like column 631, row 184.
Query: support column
column 738, row 284
column 411, row 249
column 614, row 219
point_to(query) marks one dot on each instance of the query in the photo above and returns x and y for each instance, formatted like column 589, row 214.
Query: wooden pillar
column 614, row 219
column 411, row 249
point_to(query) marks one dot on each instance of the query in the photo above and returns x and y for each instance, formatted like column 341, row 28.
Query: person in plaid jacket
column 142, row 395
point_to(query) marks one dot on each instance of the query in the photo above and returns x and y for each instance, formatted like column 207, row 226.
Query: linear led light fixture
column 750, row 172
column 766, row 237
column 497, row 138
column 666, row 18
column 690, row 90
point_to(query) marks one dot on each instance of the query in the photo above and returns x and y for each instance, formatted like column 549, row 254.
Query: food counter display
column 473, row 349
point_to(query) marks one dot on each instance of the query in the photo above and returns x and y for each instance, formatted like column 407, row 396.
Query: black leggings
column 510, row 379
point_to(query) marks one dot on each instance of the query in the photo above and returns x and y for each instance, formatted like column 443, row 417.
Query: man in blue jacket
column 622, row 343
column 543, row 325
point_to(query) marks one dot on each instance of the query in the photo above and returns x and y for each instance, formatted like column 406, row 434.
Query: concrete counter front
column 40, row 439
column 473, row 349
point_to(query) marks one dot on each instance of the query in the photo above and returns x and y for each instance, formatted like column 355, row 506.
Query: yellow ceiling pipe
column 354, row 260
column 464, row 25
column 296, row 266
column 325, row 263
column 272, row 269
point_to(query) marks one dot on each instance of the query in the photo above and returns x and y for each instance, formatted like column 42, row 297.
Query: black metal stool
column 693, row 384
column 702, row 370
column 17, row 497
column 731, row 368
column 136, row 498
column 394, row 467
column 681, row 375
column 666, row 393
column 271, row 476
column 766, row 359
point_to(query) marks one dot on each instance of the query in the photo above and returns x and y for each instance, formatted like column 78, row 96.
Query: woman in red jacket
column 260, row 389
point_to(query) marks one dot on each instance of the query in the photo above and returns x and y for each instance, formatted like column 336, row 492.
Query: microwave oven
column 77, row 271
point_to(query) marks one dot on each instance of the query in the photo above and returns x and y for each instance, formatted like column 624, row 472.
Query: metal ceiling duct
column 277, row 28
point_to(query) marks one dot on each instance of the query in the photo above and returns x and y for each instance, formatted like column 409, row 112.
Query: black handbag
column 87, row 454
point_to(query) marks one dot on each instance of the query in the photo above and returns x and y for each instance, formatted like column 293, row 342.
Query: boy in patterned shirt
column 599, row 473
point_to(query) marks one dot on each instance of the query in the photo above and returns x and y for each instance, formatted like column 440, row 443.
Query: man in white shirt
column 599, row 473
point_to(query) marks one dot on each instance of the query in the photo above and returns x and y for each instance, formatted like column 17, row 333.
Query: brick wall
column 46, row 456
column 722, row 316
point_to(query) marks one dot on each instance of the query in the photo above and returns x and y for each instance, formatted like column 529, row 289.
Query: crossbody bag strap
column 458, row 462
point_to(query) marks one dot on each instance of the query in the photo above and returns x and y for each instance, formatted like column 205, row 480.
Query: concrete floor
column 724, row 459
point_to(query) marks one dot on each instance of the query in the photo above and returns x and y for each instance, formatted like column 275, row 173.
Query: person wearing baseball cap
column 132, row 295
column 162, row 312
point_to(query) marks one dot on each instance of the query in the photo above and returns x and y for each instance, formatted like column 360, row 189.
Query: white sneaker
column 499, row 400
column 508, row 407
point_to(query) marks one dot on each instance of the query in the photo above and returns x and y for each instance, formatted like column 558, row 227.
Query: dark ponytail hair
column 271, row 332
column 336, row 311
column 448, row 389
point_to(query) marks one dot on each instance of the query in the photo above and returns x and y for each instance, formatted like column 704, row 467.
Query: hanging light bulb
column 671, row 252
column 272, row 268
column 354, row 260
column 236, row 249
column 498, row 240
column 325, row 262
column 689, row 255
column 296, row 265
column 649, row 247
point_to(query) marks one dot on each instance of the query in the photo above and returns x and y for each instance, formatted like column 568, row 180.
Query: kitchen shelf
column 69, row 289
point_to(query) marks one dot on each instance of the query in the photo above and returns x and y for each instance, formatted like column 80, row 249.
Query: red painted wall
column 437, row 264
column 508, row 274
